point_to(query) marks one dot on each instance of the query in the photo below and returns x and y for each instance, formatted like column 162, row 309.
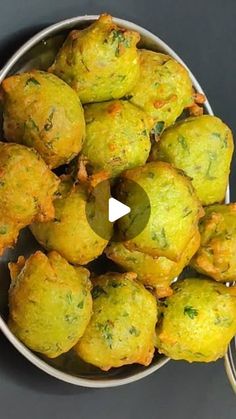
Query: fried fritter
column 164, row 88
column 122, row 328
column 50, row 303
column 70, row 233
column 175, row 210
column 156, row 272
column 43, row 112
column 202, row 147
column 198, row 321
column 27, row 188
column 117, row 136
column 216, row 256
column 99, row 62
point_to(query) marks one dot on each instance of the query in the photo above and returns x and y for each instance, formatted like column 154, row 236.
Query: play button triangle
column 117, row 210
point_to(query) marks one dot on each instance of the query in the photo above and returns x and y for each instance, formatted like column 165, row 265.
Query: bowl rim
column 27, row 353
column 68, row 378
column 230, row 366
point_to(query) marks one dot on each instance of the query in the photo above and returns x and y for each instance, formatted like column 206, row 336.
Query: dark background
column 203, row 33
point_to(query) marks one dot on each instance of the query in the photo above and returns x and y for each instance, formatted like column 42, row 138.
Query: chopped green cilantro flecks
column 190, row 311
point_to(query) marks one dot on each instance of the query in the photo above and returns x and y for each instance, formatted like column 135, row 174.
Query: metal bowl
column 230, row 363
column 39, row 52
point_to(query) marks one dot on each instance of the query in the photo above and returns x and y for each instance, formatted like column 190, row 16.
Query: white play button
column 132, row 215
column 117, row 210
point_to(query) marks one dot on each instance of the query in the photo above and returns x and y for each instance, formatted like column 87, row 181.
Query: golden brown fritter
column 70, row 233
column 202, row 147
column 122, row 328
column 27, row 189
column 99, row 62
column 50, row 303
column 117, row 136
column 43, row 112
column 164, row 88
column 198, row 321
column 216, row 256
column 156, row 272
column 175, row 210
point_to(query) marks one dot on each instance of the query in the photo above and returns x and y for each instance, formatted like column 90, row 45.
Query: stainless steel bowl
column 39, row 52
column 230, row 363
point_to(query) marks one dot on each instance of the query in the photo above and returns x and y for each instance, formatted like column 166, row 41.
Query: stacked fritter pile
column 124, row 133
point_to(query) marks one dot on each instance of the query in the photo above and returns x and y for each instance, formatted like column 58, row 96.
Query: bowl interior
column 41, row 56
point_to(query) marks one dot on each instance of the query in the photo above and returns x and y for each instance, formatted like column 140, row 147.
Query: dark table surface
column 203, row 33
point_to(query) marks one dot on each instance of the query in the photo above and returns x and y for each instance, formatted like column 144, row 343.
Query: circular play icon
column 117, row 210
column 106, row 208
